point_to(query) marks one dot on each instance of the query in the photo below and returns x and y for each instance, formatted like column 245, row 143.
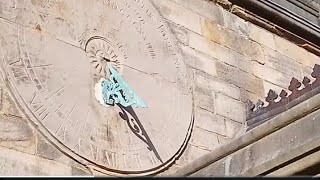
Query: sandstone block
column 215, row 169
column 272, row 75
column 306, row 71
column 204, row 99
column 282, row 63
column 211, row 31
column 310, row 60
column 291, row 50
column 267, row 86
column 47, row 150
column 247, row 95
column 223, row 140
column 254, row 51
column 230, row 108
column 234, row 129
column 206, row 9
column 235, row 23
column 199, row 60
column 206, row 81
column 16, row 134
column 21, row 164
column 261, row 36
column 232, row 40
column 202, row 44
column 204, row 139
column 179, row 15
column 244, row 63
column 180, row 33
column 240, row 78
column 8, row 105
column 190, row 154
column 210, row 122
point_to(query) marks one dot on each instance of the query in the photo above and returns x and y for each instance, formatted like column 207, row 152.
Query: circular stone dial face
column 55, row 51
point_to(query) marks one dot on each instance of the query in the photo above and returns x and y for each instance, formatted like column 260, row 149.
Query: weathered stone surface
column 210, row 122
column 267, row 86
column 244, row 63
column 261, row 36
column 16, row 134
column 270, row 74
column 21, row 164
column 9, row 106
column 310, row 60
column 180, row 33
column 278, row 146
column 202, row 44
column 204, row 99
column 273, row 149
column 204, row 139
column 240, row 78
column 47, row 150
column 254, row 51
column 215, row 170
column 245, row 95
column 234, row 129
column 234, row 41
column 199, row 61
column 282, row 63
column 228, row 56
column 179, row 15
column 191, row 153
column 205, row 81
column 291, row 50
column 235, row 23
column 211, row 31
column 79, row 172
column 230, row 108
column 223, row 140
column 204, row 8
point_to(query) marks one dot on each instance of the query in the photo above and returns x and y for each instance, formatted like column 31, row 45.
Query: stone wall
column 24, row 151
column 232, row 60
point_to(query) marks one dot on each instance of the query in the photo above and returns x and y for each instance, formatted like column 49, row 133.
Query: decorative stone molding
column 260, row 112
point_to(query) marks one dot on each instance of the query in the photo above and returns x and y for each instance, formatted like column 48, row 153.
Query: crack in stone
column 155, row 74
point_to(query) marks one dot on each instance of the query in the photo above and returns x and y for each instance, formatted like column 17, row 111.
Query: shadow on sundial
column 137, row 128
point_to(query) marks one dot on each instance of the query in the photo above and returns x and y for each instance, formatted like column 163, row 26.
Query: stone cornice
column 273, row 125
column 278, row 20
column 259, row 113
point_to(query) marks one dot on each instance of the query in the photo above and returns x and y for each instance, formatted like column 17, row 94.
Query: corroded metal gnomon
column 117, row 91
column 259, row 112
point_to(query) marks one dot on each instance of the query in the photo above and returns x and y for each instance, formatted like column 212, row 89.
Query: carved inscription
column 58, row 61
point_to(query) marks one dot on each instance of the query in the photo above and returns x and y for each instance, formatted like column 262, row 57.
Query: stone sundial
column 53, row 54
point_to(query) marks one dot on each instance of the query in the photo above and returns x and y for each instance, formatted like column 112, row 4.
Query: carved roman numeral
column 94, row 152
column 44, row 112
column 137, row 160
column 79, row 145
column 112, row 158
column 18, row 69
column 62, row 131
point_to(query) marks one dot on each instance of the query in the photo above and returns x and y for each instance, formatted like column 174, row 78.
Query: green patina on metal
column 117, row 91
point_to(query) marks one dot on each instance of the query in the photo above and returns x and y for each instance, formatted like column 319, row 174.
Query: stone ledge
column 22, row 164
column 276, row 123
